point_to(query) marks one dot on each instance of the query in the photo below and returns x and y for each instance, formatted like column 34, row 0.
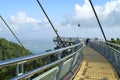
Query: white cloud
column 22, row 18
column 83, row 11
column 112, row 6
column 24, row 22
column 109, row 14
column 26, row 27
column 1, row 29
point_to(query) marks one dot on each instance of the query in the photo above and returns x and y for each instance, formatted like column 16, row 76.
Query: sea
column 39, row 46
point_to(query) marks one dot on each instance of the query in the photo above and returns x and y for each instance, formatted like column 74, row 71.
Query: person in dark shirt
column 87, row 40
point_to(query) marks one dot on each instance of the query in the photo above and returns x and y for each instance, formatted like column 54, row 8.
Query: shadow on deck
column 95, row 67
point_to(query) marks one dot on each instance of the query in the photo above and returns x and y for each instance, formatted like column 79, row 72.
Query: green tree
column 112, row 40
column 0, row 55
column 10, row 50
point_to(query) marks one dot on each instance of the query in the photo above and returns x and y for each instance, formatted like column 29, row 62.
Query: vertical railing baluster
column 116, row 59
column 20, row 68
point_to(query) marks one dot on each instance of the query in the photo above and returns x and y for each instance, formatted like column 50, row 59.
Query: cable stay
column 98, row 20
column 11, row 31
column 58, row 37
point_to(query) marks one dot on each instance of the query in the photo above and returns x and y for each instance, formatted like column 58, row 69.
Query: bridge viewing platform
column 73, row 58
column 95, row 67
column 98, row 60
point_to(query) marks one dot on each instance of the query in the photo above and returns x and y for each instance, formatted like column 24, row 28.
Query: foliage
column 115, row 41
column 10, row 50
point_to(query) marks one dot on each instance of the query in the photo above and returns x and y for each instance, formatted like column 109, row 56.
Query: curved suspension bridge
column 73, row 59
column 98, row 60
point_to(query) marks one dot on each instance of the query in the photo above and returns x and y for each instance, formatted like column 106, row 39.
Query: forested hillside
column 11, row 50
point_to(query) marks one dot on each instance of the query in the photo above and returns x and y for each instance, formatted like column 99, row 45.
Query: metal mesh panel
column 76, row 58
column 65, row 68
column 49, row 75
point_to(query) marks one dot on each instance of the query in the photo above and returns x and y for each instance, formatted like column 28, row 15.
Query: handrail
column 108, row 44
column 113, row 44
column 110, row 52
column 111, row 48
column 44, row 67
column 32, row 57
column 70, row 52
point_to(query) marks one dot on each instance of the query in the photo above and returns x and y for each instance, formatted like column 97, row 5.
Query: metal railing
column 67, row 39
column 115, row 46
column 109, row 50
column 67, row 57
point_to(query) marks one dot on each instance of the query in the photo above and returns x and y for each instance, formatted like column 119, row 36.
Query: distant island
column 10, row 50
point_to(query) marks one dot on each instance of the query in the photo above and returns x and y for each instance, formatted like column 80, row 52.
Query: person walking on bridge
column 87, row 40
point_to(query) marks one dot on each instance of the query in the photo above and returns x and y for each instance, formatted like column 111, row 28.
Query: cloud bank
column 109, row 15
column 22, row 20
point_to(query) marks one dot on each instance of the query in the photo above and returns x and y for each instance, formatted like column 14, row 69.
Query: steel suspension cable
column 98, row 20
column 11, row 31
column 50, row 22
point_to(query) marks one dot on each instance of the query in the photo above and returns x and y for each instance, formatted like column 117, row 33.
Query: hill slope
column 11, row 50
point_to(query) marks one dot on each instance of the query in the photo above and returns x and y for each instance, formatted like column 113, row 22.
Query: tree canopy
column 11, row 50
column 116, row 41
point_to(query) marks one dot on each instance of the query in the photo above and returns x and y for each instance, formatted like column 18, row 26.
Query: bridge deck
column 95, row 67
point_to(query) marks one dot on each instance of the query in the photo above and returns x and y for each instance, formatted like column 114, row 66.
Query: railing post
column 73, row 58
column 108, row 53
column 20, row 68
column 116, row 59
column 103, row 50
column 59, row 55
column 60, row 68
column 28, row 77
column 119, row 49
column 112, row 55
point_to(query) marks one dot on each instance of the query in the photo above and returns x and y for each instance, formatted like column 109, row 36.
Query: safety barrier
column 109, row 50
column 54, row 70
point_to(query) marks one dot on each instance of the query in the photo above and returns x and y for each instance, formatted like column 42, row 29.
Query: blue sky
column 28, row 21
column 54, row 8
